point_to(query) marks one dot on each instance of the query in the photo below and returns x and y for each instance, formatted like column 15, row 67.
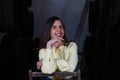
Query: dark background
column 100, row 44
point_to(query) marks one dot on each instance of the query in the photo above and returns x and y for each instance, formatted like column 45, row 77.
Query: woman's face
column 57, row 30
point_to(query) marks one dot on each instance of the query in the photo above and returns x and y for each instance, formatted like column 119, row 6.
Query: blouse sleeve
column 49, row 65
column 71, row 63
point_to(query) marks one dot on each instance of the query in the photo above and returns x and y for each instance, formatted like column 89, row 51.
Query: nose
column 58, row 29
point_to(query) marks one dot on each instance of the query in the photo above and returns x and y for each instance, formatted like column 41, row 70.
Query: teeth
column 58, row 34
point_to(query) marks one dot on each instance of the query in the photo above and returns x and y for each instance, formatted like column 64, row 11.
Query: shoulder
column 72, row 44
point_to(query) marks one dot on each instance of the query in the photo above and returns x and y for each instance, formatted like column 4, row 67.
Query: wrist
column 48, row 45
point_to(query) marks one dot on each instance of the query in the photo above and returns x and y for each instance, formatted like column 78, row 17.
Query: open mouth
column 59, row 34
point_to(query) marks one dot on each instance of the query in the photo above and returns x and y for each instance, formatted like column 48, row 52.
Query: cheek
column 63, row 33
column 52, row 34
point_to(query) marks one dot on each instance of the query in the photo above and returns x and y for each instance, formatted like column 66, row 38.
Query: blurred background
column 92, row 24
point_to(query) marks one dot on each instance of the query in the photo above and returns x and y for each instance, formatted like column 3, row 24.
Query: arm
column 71, row 59
column 48, row 63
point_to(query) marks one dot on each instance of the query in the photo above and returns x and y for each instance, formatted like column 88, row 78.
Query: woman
column 56, row 53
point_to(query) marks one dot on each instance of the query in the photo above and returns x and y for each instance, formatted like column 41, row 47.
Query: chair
column 37, row 74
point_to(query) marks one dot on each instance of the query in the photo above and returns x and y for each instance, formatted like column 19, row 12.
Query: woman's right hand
column 54, row 42
column 39, row 64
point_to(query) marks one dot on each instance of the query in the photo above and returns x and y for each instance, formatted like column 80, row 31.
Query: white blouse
column 64, row 58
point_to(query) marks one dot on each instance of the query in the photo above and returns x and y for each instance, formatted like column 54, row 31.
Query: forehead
column 57, row 22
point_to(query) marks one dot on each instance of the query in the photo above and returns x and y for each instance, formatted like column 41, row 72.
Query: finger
column 56, row 40
column 60, row 38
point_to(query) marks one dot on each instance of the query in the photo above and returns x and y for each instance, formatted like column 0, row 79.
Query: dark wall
column 16, row 18
column 17, row 50
column 101, row 48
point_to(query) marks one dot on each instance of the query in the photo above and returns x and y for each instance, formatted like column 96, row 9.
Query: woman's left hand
column 39, row 64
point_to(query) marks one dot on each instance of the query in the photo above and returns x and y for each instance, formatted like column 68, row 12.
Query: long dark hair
column 47, row 30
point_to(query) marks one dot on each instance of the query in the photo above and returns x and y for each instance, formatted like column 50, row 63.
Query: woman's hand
column 39, row 64
column 54, row 42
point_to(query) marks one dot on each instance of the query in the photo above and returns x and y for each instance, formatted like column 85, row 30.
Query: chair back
column 37, row 74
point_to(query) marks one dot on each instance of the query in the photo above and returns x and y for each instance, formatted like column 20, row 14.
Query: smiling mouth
column 59, row 34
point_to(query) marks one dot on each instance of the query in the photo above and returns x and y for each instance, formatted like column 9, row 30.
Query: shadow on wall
column 17, row 55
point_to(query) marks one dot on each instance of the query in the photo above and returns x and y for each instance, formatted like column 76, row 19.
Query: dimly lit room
column 94, row 25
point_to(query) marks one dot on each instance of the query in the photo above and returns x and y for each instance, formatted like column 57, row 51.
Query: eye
column 53, row 27
column 60, row 26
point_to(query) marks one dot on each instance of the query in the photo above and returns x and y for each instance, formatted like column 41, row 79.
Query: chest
column 61, row 53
